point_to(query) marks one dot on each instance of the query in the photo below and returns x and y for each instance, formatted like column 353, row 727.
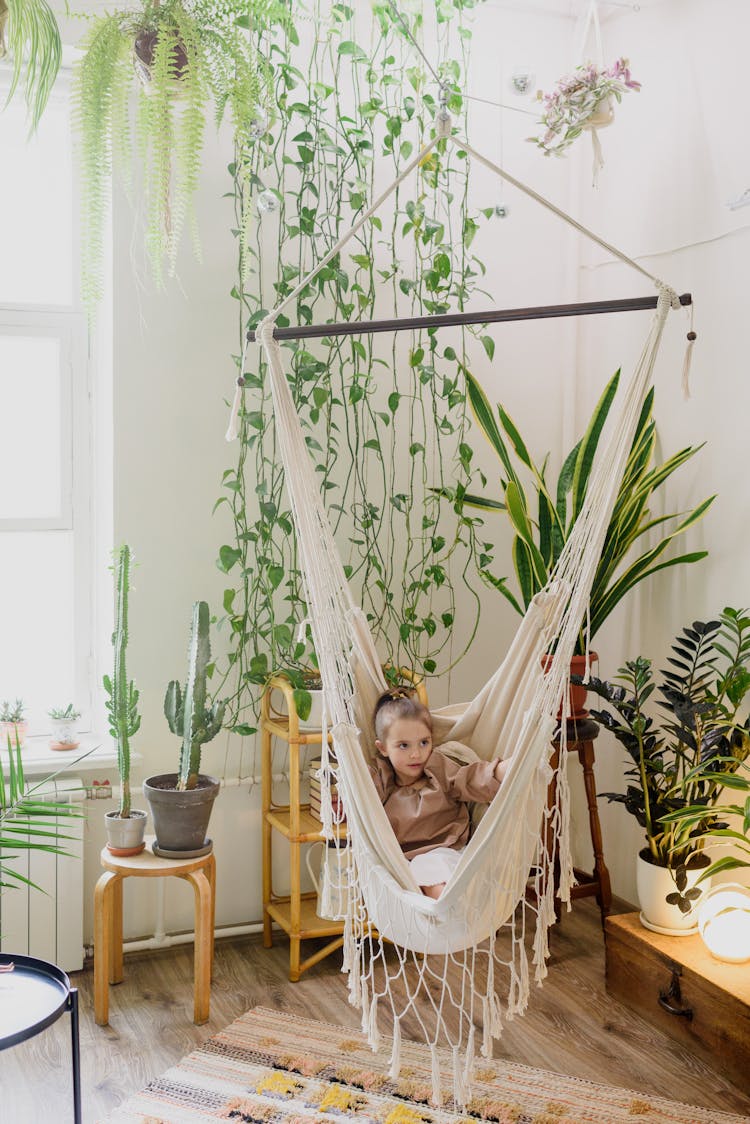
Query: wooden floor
column 571, row 1026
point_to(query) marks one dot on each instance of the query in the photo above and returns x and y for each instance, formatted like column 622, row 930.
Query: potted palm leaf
column 125, row 827
column 181, row 802
column 682, row 761
column 178, row 56
column 29, row 33
column 542, row 512
column 29, row 819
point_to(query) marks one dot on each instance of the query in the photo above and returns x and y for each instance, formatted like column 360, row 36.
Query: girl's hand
column 501, row 768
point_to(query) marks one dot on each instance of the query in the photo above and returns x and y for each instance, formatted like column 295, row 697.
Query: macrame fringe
column 349, row 950
column 460, row 1090
column 395, row 1066
column 234, row 416
column 365, row 1006
column 469, row 1064
column 435, row 1067
column 691, row 337
column 373, row 1032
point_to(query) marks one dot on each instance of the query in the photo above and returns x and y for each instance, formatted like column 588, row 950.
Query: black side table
column 33, row 995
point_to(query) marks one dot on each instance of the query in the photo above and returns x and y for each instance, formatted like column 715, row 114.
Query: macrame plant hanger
column 604, row 114
column 400, row 946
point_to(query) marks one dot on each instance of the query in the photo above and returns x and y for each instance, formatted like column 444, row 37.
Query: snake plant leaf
column 483, row 412
column 500, row 584
column 589, row 445
column 524, row 569
column 515, row 438
column 483, row 503
column 565, row 483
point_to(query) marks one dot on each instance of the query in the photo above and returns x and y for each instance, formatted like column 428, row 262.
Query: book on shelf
column 316, row 794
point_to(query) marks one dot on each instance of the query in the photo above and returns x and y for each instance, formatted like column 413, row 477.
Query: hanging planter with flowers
column 583, row 100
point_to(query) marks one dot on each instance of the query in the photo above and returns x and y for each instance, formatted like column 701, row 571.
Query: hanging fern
column 189, row 52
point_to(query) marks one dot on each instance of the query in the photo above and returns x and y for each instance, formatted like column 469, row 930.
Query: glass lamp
column 724, row 922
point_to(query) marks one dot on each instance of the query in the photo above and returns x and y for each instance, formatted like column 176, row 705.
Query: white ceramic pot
column 653, row 883
column 314, row 720
column 603, row 115
column 64, row 734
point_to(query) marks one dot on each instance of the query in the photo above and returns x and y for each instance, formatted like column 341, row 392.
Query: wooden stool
column 201, row 872
column 581, row 737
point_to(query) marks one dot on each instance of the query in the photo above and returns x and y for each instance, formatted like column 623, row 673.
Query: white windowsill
column 94, row 753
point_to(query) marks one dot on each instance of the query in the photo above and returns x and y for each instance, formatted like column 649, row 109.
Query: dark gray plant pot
column 125, row 836
column 180, row 818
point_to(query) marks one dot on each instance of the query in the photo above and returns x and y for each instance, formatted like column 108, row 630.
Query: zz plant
column 542, row 512
column 682, row 760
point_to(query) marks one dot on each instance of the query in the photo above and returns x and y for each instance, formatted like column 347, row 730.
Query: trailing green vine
column 385, row 422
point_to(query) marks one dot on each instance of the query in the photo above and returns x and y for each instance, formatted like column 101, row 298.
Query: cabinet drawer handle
column 673, row 993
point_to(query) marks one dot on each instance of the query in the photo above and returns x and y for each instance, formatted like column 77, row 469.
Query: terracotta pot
column 13, row 730
column 577, row 693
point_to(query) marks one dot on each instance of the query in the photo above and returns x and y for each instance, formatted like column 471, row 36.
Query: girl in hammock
column 424, row 792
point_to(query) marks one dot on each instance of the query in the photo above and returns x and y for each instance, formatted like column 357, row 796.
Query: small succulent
column 12, row 713
column 69, row 712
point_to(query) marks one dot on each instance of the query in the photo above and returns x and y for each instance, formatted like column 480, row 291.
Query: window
column 46, row 607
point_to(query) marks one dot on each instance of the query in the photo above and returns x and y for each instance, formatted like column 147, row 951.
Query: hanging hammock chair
column 453, row 953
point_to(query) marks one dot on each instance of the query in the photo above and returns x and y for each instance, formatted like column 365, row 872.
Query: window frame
column 68, row 324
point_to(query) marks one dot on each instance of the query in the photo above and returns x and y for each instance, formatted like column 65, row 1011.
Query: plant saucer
column 165, row 853
column 666, row 932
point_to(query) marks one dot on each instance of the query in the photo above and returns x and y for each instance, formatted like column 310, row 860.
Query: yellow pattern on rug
column 272, row 1068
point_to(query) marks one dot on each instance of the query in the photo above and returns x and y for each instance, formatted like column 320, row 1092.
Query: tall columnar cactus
column 186, row 712
column 122, row 696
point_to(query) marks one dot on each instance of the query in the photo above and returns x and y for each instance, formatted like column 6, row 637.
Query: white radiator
column 48, row 922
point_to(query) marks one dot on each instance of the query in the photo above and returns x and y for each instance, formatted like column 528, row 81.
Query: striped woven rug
column 272, row 1068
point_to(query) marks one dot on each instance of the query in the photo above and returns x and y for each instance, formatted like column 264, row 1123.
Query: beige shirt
column 432, row 811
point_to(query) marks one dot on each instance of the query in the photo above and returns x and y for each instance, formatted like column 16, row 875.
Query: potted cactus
column 125, row 827
column 181, row 802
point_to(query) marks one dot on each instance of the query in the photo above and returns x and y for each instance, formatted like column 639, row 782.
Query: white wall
column 674, row 158
column 671, row 161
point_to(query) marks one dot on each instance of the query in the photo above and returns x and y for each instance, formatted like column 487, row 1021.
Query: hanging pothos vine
column 385, row 422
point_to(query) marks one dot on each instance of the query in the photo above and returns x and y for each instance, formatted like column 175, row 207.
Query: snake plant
column 29, row 33
column 179, row 55
column 543, row 517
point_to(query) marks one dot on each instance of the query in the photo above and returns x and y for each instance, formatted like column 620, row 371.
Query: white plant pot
column 64, row 734
column 314, row 720
column 603, row 115
column 653, row 883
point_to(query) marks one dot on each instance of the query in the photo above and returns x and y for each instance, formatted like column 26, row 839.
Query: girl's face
column 407, row 745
